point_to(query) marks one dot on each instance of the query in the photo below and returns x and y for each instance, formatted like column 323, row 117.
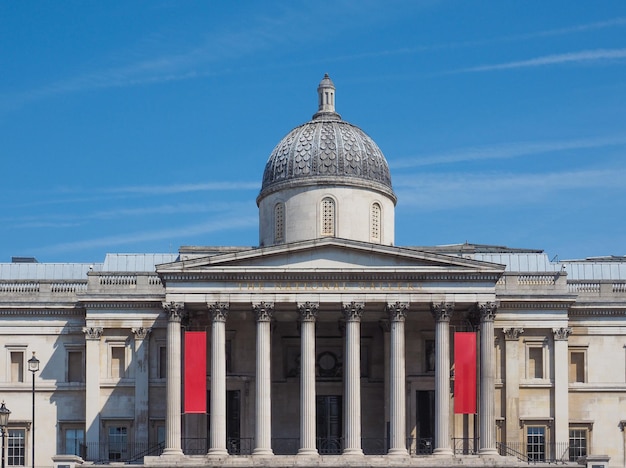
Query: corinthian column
column 442, row 313
column 92, row 389
column 263, row 420
column 308, row 314
column 397, row 407
column 352, row 379
column 561, row 386
column 175, row 312
column 217, row 442
column 487, row 410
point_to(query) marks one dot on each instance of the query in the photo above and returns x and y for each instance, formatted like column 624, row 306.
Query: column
column 561, row 389
column 397, row 384
column 217, row 441
column 511, row 383
column 487, row 409
column 175, row 312
column 141, row 386
column 442, row 313
column 385, row 326
column 308, row 314
column 263, row 420
column 352, row 379
column 92, row 390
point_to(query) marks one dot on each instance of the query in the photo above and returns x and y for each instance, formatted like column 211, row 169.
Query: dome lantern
column 326, row 100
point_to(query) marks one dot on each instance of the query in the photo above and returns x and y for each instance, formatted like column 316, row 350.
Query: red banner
column 465, row 372
column 195, row 372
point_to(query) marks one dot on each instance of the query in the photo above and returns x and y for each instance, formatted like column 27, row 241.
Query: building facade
column 324, row 345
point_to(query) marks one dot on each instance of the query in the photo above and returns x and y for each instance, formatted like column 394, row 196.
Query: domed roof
column 326, row 151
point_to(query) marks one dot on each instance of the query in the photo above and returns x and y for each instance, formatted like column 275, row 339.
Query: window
column 536, row 443
column 162, row 362
column 577, row 365
column 535, row 363
column 118, row 442
column 74, row 441
column 16, row 447
column 17, row 366
column 279, row 223
column 375, row 223
column 118, row 362
column 577, row 443
column 75, row 366
column 328, row 217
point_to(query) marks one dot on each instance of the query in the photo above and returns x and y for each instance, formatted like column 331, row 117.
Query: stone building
column 326, row 345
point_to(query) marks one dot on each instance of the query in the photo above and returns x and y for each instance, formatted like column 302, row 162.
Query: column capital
column 442, row 312
column 93, row 333
column 141, row 333
column 487, row 311
column 561, row 334
column 308, row 311
column 352, row 311
column 397, row 311
column 511, row 334
column 219, row 311
column 174, row 310
column 264, row 311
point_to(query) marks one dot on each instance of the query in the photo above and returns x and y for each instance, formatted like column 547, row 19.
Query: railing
column 421, row 446
column 541, row 453
column 465, row 445
column 118, row 452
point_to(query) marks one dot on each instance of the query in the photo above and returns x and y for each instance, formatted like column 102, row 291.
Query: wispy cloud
column 505, row 151
column 135, row 238
column 457, row 190
column 184, row 188
column 585, row 56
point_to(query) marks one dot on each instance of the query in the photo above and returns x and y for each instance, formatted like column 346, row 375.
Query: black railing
column 465, row 445
column 539, row 453
column 118, row 452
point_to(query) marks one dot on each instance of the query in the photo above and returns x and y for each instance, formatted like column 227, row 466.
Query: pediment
column 332, row 255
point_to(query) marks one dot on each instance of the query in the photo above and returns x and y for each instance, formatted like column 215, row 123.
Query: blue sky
column 143, row 126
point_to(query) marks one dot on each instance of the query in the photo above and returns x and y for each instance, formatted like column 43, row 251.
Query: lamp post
column 33, row 366
column 4, row 422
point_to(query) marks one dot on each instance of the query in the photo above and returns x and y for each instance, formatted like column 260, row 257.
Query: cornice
column 533, row 304
column 27, row 312
column 156, row 304
column 599, row 312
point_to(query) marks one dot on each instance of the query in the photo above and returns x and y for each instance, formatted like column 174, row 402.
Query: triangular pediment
column 331, row 254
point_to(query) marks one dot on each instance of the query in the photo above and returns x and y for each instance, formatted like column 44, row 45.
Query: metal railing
column 118, row 452
column 465, row 445
column 551, row 452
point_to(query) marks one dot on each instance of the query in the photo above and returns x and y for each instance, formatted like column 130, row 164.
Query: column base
column 398, row 452
column 308, row 452
column 488, row 452
column 443, row 452
column 352, row 452
column 262, row 452
column 172, row 452
column 217, row 453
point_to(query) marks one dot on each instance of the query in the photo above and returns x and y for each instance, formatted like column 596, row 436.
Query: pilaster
column 511, row 383
column 92, row 388
column 561, row 385
column 141, row 384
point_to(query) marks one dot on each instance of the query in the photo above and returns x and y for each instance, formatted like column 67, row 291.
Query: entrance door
column 328, row 409
column 425, row 429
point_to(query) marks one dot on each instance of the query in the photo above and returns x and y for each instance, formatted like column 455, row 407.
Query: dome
column 326, row 151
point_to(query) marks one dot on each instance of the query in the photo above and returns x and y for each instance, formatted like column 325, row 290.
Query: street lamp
column 4, row 422
column 33, row 366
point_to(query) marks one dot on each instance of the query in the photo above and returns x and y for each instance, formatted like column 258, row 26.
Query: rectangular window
column 118, row 362
column 16, row 447
column 74, row 442
column 535, row 362
column 118, row 443
column 75, row 366
column 577, row 443
column 17, row 366
column 536, row 443
column 576, row 366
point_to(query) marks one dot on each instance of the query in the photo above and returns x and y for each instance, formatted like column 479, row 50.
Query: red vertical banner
column 195, row 372
column 465, row 372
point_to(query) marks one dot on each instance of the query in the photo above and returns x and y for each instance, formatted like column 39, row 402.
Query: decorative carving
column 562, row 333
column 93, row 333
column 219, row 311
column 512, row 333
column 308, row 311
column 352, row 311
column 264, row 311
column 174, row 310
column 141, row 333
column 487, row 311
column 397, row 311
column 442, row 312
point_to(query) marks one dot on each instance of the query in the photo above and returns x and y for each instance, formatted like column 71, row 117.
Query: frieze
column 45, row 312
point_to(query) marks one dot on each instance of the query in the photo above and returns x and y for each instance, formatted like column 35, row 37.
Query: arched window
column 328, row 217
column 375, row 223
column 279, row 223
